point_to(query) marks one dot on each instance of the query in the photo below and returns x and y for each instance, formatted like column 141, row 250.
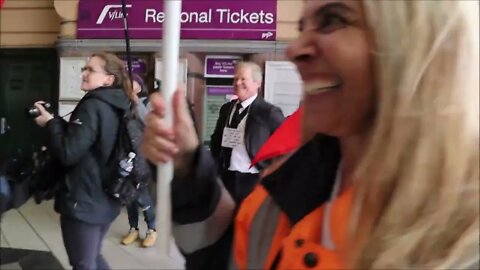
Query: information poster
column 283, row 85
column 71, row 78
column 216, row 96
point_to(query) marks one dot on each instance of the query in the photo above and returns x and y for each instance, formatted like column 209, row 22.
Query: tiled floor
column 26, row 259
column 37, row 227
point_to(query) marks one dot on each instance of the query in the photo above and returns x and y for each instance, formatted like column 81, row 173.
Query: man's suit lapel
column 228, row 113
column 250, row 125
column 224, row 118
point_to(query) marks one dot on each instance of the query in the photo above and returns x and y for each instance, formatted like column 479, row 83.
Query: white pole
column 170, row 48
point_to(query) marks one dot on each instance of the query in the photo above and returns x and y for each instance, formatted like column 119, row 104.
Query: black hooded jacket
column 83, row 146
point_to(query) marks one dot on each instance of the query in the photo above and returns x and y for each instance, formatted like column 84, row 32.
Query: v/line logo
column 113, row 12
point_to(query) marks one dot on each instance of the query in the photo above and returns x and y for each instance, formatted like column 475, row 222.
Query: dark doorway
column 26, row 75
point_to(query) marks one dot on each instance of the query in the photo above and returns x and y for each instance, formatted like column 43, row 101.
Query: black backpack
column 126, row 189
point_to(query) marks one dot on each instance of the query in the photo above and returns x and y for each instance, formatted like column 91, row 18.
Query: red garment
column 284, row 140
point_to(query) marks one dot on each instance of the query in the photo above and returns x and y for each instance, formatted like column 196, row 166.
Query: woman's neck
column 352, row 149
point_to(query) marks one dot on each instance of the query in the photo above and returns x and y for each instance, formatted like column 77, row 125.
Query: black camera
column 33, row 112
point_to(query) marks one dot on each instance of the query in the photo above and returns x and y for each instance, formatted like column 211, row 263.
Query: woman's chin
column 312, row 126
column 308, row 131
column 85, row 88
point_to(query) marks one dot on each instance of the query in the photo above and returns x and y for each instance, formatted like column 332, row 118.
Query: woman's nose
column 300, row 50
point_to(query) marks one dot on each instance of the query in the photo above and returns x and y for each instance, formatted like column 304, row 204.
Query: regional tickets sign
column 200, row 19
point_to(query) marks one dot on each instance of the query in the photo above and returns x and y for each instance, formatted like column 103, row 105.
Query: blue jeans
column 144, row 202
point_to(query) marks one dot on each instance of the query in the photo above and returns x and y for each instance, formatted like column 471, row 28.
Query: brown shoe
column 131, row 237
column 150, row 238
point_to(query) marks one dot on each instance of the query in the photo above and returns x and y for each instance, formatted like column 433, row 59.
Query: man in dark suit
column 242, row 128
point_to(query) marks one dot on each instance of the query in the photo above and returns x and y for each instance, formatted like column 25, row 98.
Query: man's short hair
column 257, row 72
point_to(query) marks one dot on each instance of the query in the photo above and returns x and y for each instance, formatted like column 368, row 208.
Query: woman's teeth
column 317, row 88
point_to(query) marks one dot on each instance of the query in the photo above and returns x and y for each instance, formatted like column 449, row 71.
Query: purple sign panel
column 220, row 66
column 219, row 90
column 138, row 65
column 207, row 19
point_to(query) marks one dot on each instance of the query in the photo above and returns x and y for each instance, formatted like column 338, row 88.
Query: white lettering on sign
column 225, row 16
column 267, row 35
column 151, row 15
column 223, row 66
column 244, row 17
column 112, row 14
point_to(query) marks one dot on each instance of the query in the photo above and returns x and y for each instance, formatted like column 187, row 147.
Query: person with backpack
column 84, row 146
column 144, row 201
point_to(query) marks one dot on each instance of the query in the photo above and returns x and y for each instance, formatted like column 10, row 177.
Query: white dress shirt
column 240, row 161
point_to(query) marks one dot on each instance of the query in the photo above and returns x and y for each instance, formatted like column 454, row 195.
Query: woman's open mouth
column 314, row 88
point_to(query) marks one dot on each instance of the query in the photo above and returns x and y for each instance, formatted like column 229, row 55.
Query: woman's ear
column 109, row 80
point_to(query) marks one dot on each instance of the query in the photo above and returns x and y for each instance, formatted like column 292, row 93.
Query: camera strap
column 63, row 116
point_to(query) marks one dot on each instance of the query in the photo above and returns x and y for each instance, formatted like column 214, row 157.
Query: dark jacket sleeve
column 276, row 118
column 202, row 212
column 195, row 196
column 70, row 142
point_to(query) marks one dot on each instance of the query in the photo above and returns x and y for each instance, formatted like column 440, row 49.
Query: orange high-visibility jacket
column 286, row 223
column 292, row 220
column 266, row 239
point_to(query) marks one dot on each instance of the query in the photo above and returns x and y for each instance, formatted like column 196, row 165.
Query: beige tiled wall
column 41, row 22
column 288, row 12
column 25, row 23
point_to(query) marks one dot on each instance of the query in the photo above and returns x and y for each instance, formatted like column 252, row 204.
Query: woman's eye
column 331, row 22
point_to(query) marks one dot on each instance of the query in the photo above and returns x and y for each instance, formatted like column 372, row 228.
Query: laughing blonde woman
column 390, row 181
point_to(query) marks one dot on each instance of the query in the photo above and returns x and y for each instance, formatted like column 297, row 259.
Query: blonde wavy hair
column 417, row 198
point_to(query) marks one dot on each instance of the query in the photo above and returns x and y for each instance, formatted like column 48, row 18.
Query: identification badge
column 232, row 137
